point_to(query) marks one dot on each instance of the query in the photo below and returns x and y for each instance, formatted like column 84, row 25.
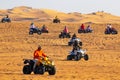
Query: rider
column 82, row 27
column 44, row 27
column 88, row 28
column 38, row 55
column 7, row 16
column 74, row 36
column 109, row 28
column 76, row 46
column 65, row 31
column 56, row 17
column 32, row 25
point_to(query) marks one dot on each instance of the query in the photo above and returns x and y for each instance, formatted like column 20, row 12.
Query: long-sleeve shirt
column 38, row 54
column 65, row 30
column 32, row 26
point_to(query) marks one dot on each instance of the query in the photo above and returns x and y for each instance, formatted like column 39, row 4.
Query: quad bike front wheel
column 70, row 43
column 69, row 57
column 52, row 70
column 39, row 70
column 86, row 57
column 77, row 57
column 59, row 36
column 31, row 33
column 115, row 32
column 39, row 32
column 69, row 36
column 80, row 43
column 47, row 31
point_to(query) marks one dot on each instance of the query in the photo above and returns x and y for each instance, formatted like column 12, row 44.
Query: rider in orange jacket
column 38, row 54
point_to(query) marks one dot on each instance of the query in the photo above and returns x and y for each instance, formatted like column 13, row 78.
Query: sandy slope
column 23, row 13
column 16, row 44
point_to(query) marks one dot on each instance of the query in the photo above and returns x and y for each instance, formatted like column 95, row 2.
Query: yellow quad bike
column 44, row 65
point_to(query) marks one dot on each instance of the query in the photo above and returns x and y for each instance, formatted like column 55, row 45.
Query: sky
column 81, row 6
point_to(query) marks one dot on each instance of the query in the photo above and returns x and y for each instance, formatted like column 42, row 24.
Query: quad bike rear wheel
column 27, row 69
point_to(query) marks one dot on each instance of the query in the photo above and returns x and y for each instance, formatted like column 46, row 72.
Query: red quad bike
column 44, row 30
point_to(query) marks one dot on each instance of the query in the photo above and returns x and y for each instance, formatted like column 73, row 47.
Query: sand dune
column 24, row 13
column 16, row 44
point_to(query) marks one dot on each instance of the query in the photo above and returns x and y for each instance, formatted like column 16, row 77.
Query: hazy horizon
column 85, row 6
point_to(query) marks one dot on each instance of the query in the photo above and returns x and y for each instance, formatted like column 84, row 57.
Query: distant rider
column 76, row 45
column 109, row 28
column 88, row 29
column 44, row 27
column 65, row 31
column 56, row 17
column 74, row 36
column 82, row 27
column 32, row 25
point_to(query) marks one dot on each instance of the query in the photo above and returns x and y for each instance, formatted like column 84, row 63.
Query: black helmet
column 39, row 47
column 74, row 35
column 32, row 23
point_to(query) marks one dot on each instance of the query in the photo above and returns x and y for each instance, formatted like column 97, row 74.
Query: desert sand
column 16, row 44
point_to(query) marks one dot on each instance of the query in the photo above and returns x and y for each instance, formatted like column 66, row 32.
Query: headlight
column 53, row 63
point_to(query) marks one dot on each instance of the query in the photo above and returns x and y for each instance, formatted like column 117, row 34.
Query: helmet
column 32, row 23
column 77, row 40
column 74, row 35
column 39, row 47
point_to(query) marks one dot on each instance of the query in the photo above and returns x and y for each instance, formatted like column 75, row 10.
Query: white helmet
column 78, row 40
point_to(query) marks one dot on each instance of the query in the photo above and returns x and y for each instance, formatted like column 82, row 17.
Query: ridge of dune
column 23, row 13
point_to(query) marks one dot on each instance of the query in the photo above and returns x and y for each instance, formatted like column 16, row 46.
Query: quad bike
column 81, row 31
column 72, row 40
column 88, row 31
column 56, row 21
column 5, row 20
column 44, row 65
column 84, row 31
column 77, row 55
column 34, row 30
column 111, row 32
column 64, row 35
column 45, row 30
